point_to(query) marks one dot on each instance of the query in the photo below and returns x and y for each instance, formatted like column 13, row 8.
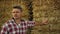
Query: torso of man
column 12, row 28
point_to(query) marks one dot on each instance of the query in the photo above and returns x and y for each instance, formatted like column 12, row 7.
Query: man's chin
column 16, row 18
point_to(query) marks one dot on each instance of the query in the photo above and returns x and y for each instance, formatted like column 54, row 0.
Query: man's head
column 17, row 12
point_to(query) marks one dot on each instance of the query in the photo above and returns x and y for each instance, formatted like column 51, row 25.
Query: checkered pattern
column 12, row 28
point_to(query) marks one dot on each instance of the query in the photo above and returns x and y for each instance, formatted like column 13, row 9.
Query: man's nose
column 15, row 13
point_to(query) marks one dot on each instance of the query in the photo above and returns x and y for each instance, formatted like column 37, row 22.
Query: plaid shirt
column 12, row 28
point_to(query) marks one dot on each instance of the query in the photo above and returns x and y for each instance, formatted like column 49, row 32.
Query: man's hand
column 44, row 22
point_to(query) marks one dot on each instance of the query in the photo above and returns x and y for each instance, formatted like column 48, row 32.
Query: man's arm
column 30, row 25
column 44, row 22
column 4, row 29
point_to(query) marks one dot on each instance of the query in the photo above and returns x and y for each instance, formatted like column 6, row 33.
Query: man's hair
column 18, row 7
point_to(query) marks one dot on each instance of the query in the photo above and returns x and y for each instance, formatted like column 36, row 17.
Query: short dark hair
column 18, row 7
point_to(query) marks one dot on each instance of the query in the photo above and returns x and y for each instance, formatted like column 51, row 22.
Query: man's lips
column 15, row 15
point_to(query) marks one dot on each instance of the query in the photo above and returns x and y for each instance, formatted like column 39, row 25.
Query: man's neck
column 17, row 21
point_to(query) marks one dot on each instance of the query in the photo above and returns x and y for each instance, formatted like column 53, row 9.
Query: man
column 16, row 25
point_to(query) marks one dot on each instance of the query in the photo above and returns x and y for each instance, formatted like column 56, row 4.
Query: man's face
column 16, row 13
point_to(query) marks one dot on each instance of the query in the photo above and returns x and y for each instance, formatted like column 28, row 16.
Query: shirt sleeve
column 4, row 29
column 31, row 23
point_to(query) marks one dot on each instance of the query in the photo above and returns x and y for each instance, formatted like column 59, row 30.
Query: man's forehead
column 16, row 9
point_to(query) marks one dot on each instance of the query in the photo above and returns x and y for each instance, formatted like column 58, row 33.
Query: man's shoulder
column 8, row 21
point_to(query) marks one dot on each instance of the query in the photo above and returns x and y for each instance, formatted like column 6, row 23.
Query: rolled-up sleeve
column 31, row 23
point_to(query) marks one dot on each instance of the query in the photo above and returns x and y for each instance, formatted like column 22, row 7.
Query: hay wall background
column 42, row 9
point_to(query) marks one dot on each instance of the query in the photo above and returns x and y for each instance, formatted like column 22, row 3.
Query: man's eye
column 13, row 12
